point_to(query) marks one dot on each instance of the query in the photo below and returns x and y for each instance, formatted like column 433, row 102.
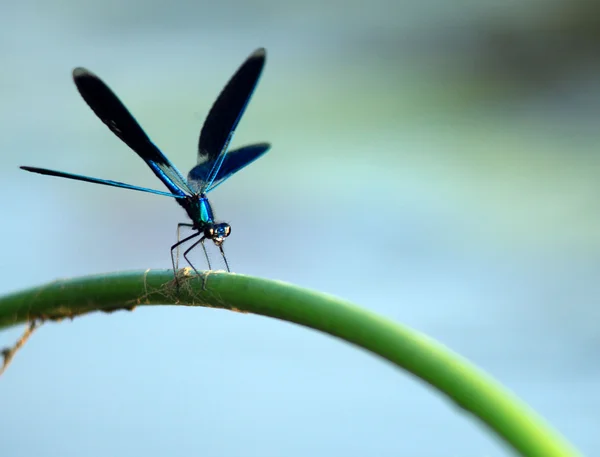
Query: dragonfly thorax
column 199, row 209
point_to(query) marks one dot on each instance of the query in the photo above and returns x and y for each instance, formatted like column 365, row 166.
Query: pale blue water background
column 403, row 177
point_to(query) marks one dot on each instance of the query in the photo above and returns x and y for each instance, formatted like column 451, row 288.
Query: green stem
column 469, row 388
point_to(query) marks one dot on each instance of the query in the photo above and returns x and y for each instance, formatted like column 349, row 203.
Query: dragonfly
column 216, row 163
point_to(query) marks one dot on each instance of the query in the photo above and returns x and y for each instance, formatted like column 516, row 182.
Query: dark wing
column 106, row 182
column 234, row 161
column 224, row 116
column 119, row 120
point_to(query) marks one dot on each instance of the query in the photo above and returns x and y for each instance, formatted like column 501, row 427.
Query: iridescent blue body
column 215, row 162
column 200, row 212
column 205, row 216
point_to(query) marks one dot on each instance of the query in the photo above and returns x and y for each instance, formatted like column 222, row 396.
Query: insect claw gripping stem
column 176, row 264
column 200, row 241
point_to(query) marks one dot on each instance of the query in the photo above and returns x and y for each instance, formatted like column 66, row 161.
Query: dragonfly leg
column 206, row 255
column 224, row 258
column 200, row 241
column 176, row 246
column 187, row 251
column 176, row 263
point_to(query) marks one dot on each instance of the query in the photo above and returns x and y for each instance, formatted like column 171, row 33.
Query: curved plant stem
column 461, row 382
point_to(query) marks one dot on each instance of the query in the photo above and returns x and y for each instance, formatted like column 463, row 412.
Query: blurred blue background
column 434, row 162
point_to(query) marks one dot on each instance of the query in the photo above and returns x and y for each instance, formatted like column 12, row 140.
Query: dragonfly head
column 218, row 232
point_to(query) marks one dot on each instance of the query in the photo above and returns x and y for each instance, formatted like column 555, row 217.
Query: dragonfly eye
column 222, row 231
column 209, row 232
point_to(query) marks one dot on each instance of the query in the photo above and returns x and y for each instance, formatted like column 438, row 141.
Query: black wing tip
column 263, row 145
column 259, row 54
column 82, row 77
column 33, row 169
column 81, row 72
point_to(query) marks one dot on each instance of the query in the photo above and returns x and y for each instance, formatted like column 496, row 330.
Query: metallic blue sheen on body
column 215, row 163
column 206, row 214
